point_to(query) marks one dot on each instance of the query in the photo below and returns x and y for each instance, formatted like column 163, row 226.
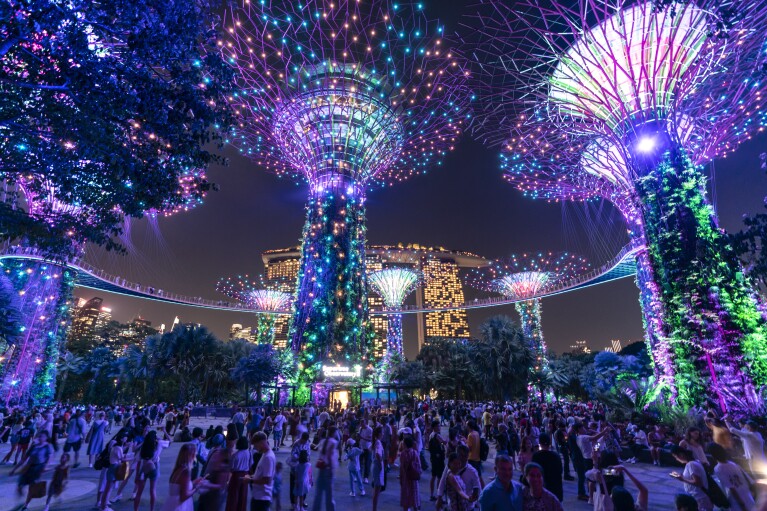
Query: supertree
column 258, row 296
column 522, row 278
column 394, row 285
column 346, row 96
column 43, row 299
column 636, row 96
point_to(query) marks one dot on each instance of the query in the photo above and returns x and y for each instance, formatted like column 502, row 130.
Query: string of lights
column 623, row 100
column 345, row 96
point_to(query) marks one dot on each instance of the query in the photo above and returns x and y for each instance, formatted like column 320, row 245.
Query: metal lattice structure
column 523, row 277
column 345, row 96
column 255, row 295
column 394, row 285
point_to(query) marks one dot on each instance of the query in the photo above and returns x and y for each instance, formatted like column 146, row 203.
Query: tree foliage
column 104, row 105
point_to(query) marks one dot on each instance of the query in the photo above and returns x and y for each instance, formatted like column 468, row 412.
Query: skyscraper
column 85, row 316
column 442, row 287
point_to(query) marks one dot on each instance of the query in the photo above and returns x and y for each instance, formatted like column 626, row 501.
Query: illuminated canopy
column 344, row 92
column 633, row 65
column 394, row 284
column 526, row 275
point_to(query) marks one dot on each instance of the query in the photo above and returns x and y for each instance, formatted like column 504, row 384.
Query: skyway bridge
column 87, row 276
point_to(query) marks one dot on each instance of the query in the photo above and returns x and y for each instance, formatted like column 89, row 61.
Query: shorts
column 477, row 466
column 112, row 473
column 260, row 505
column 73, row 446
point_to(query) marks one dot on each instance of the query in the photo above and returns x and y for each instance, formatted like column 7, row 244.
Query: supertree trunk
column 45, row 294
column 330, row 320
column 394, row 351
column 530, row 316
column 656, row 335
column 717, row 332
column 265, row 328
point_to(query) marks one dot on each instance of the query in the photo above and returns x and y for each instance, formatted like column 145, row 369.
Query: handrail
column 150, row 292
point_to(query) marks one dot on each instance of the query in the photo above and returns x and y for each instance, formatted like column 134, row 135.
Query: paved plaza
column 80, row 494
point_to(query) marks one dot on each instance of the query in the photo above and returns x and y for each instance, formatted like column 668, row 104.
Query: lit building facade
column 442, row 287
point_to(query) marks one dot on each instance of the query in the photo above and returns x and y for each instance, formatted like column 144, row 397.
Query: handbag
column 123, row 471
column 37, row 490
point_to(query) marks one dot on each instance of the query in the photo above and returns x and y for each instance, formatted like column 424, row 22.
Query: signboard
column 342, row 371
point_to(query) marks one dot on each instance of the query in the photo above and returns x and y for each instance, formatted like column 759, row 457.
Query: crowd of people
column 534, row 449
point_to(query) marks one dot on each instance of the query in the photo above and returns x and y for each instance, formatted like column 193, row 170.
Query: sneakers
column 117, row 498
column 352, row 494
column 365, row 480
column 362, row 493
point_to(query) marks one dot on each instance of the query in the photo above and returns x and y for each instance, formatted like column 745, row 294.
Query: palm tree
column 504, row 358
column 68, row 363
column 262, row 366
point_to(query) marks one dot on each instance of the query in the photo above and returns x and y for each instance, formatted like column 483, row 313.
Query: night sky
column 462, row 205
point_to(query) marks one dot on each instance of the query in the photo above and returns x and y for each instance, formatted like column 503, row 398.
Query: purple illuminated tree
column 344, row 96
column 257, row 296
column 622, row 103
column 44, row 296
column 523, row 278
column 393, row 285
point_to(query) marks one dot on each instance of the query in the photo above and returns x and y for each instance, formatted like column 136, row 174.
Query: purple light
column 646, row 144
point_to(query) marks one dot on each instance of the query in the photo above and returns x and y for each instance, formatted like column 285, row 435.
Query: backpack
column 102, row 460
column 484, row 449
column 436, row 450
column 716, row 494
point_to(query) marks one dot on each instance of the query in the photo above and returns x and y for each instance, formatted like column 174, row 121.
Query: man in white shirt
column 753, row 445
column 262, row 480
column 366, row 443
column 277, row 424
column 468, row 475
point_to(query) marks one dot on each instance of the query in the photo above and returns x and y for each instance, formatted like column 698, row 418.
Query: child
column 59, row 481
column 303, row 478
column 277, row 486
column 353, row 455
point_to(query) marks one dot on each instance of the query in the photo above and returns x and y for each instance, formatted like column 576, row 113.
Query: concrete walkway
column 80, row 494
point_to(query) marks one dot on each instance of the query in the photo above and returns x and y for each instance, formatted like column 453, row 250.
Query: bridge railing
column 159, row 294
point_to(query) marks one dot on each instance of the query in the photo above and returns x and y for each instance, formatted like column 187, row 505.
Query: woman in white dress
column 181, row 486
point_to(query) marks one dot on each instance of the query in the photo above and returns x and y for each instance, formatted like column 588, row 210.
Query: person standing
column 216, row 476
column 437, row 457
column 693, row 477
column 237, row 491
column 326, row 465
column 75, row 432
column 535, row 497
column 551, row 466
column 96, row 437
column 753, row 446
column 409, row 475
column 366, row 444
column 474, row 444
column 262, row 481
column 378, row 469
column 579, row 463
column 560, row 439
column 502, row 494
column 181, row 488
column 278, row 423
column 353, row 454
column 302, row 445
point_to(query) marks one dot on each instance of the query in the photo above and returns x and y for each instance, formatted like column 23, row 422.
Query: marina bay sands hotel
column 442, row 287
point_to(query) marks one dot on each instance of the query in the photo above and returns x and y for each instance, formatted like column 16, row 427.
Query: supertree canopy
column 345, row 95
column 625, row 100
column 257, row 295
column 523, row 278
column 394, row 285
